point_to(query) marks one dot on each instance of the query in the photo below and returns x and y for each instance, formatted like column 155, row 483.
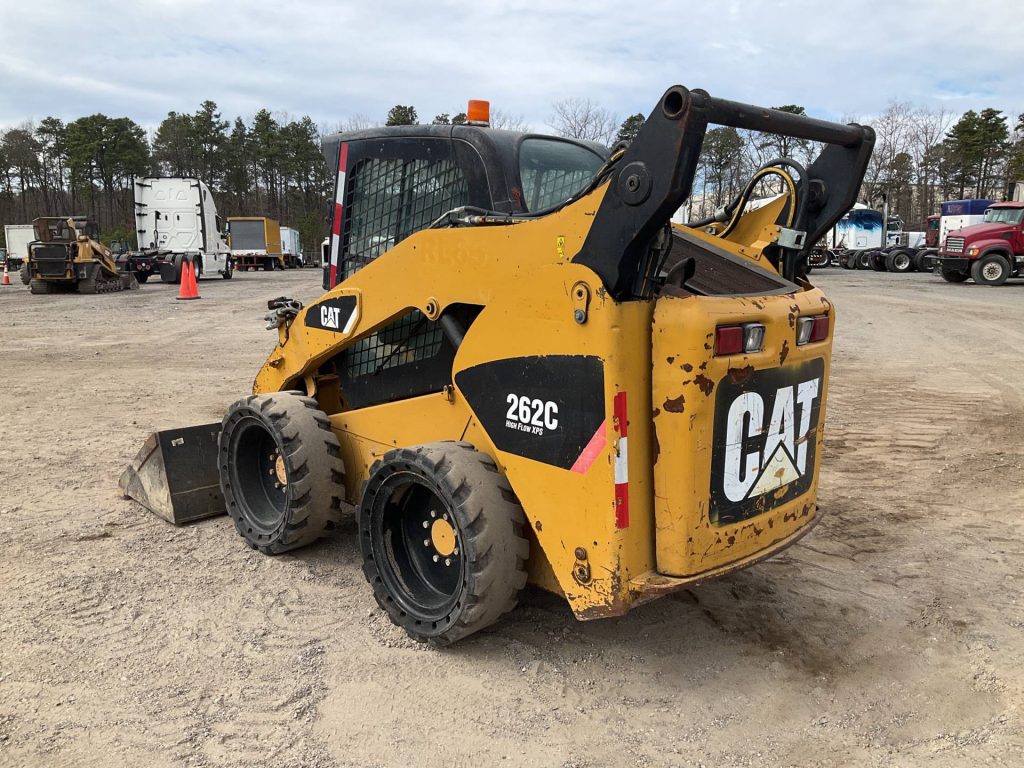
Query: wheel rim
column 259, row 474
column 992, row 271
column 418, row 548
column 901, row 262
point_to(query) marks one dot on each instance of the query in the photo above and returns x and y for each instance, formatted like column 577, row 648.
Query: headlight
column 972, row 251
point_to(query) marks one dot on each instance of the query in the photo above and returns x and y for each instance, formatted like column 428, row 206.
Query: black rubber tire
column 228, row 273
column 899, row 261
column 993, row 269
column 41, row 287
column 921, row 263
column 142, row 277
column 490, row 547
column 876, row 261
column 308, row 503
column 952, row 276
column 25, row 274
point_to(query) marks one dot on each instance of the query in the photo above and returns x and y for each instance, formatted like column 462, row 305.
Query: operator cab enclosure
column 395, row 181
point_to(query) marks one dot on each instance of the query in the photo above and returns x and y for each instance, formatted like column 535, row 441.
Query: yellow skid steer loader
column 521, row 370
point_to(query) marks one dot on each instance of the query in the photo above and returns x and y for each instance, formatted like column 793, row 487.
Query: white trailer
column 176, row 219
column 291, row 247
column 17, row 237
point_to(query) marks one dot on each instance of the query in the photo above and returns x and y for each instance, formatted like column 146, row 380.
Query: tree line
column 265, row 167
column 272, row 165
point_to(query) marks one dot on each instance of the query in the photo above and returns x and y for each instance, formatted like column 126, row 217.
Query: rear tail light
column 810, row 329
column 734, row 339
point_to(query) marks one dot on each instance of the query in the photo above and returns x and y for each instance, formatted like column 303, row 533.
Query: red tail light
column 819, row 331
column 809, row 329
column 728, row 339
column 734, row 339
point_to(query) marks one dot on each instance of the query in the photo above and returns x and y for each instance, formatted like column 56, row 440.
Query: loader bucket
column 175, row 474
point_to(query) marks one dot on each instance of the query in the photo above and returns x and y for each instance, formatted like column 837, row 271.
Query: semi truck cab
column 990, row 252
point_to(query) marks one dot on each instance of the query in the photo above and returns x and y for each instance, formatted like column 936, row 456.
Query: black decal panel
column 765, row 439
column 331, row 314
column 543, row 408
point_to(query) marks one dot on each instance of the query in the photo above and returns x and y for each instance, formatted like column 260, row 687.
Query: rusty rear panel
column 737, row 439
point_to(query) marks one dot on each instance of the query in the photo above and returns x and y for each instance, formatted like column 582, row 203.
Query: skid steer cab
column 522, row 371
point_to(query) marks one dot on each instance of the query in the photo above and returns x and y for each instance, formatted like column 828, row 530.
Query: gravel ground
column 891, row 636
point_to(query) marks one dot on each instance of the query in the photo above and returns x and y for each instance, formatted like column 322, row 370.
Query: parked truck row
column 979, row 239
column 176, row 220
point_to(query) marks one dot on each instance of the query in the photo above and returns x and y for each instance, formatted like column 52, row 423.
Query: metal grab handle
column 738, row 115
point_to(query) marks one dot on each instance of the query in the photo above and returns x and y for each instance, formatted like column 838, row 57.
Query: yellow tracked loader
column 522, row 371
column 66, row 256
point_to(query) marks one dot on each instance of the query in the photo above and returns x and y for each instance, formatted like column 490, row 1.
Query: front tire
column 990, row 270
column 25, row 274
column 441, row 534
column 952, row 276
column 280, row 471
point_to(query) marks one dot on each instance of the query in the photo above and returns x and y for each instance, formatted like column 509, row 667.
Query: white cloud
column 334, row 60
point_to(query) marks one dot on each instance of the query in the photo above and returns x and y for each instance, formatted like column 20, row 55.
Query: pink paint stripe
column 592, row 450
column 342, row 158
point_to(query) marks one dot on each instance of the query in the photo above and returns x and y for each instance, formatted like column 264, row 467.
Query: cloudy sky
column 335, row 60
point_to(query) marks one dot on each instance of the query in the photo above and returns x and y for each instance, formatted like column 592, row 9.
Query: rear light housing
column 737, row 339
column 811, row 329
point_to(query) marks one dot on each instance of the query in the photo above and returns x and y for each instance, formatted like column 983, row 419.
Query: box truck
column 255, row 242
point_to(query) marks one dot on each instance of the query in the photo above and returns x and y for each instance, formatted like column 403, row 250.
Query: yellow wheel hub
column 442, row 535
column 280, row 471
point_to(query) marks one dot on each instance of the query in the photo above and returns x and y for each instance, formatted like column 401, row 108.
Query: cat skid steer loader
column 521, row 371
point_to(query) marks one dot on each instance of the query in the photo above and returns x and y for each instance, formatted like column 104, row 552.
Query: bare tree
column 506, row 121
column 928, row 128
column 360, row 122
column 583, row 119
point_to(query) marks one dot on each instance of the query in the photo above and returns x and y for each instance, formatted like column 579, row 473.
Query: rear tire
column 993, row 269
column 921, row 263
column 899, row 261
column 41, row 287
column 441, row 534
column 280, row 470
column 25, row 274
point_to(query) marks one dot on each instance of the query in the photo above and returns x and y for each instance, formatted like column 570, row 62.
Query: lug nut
column 436, row 558
column 426, row 524
column 447, row 561
column 426, row 542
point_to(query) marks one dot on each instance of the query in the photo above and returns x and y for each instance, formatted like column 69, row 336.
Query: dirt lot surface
column 891, row 636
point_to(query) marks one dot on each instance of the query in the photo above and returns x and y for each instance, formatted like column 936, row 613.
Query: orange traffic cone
column 189, row 289
column 7, row 277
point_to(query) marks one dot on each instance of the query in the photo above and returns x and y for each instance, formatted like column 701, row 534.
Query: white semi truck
column 17, row 237
column 291, row 247
column 176, row 219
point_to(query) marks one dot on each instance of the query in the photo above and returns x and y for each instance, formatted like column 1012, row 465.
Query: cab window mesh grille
column 409, row 339
column 388, row 200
